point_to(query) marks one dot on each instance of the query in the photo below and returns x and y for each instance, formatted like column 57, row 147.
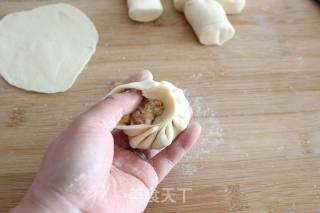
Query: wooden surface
column 257, row 97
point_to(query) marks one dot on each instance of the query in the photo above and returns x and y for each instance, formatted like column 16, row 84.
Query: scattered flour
column 80, row 185
column 211, row 137
column 196, row 76
column 199, row 108
column 187, row 169
column 280, row 149
column 300, row 60
column 212, row 132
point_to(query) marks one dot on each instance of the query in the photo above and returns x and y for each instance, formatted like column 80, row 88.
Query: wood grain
column 257, row 97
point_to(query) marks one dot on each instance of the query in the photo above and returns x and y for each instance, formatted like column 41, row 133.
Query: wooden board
column 257, row 97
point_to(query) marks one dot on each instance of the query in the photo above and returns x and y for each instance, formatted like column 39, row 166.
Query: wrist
column 40, row 200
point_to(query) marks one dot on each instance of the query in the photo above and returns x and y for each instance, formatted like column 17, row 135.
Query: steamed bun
column 162, row 129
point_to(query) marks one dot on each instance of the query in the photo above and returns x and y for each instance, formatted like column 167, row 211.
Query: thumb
column 109, row 111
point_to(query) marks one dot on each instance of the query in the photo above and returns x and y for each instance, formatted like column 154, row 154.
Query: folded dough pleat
column 134, row 130
column 148, row 142
column 136, row 140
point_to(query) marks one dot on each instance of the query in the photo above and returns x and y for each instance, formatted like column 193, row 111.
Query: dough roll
column 144, row 10
column 232, row 6
column 209, row 21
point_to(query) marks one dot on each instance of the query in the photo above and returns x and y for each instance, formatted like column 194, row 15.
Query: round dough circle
column 45, row 49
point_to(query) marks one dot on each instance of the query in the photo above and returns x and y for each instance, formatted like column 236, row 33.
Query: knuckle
column 114, row 99
column 86, row 123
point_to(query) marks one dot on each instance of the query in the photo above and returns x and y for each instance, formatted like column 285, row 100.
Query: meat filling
column 147, row 112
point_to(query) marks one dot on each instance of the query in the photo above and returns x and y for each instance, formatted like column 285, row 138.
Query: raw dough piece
column 144, row 10
column 164, row 129
column 209, row 21
column 232, row 6
column 45, row 49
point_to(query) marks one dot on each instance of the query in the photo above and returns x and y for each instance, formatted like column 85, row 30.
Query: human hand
column 90, row 168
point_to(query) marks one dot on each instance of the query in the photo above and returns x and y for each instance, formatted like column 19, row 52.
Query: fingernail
column 197, row 126
column 146, row 74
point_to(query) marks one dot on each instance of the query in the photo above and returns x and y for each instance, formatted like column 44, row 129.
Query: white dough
column 165, row 128
column 144, row 10
column 209, row 21
column 45, row 49
column 232, row 6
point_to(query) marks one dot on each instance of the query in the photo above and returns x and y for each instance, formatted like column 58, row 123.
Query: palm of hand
column 129, row 193
column 104, row 178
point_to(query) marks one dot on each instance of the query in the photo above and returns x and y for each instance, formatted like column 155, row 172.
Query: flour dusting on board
column 212, row 132
column 196, row 76
column 200, row 109
column 187, row 169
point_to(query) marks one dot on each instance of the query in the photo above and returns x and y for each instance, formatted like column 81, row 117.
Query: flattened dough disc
column 45, row 49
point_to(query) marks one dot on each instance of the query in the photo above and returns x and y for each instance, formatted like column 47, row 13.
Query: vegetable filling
column 147, row 112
